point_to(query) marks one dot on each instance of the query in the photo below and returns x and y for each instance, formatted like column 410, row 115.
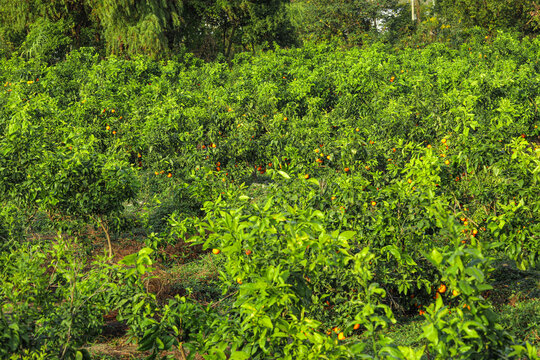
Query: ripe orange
column 306, row 176
column 333, row 198
column 356, row 326
column 216, row 251
column 346, row 169
column 107, row 127
column 442, row 289
column 239, row 281
column 213, row 145
column 112, row 110
column 169, row 175
column 455, row 292
column 341, row 336
column 248, row 252
column 114, row 132
column 447, row 162
column 373, row 203
column 443, row 141
column 409, row 181
column 474, row 232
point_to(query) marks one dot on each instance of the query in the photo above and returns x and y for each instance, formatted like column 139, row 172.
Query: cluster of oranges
column 169, row 175
column 209, row 146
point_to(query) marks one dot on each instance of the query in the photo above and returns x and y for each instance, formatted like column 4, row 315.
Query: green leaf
column 239, row 355
column 436, row 257
column 266, row 321
column 284, row 174
column 346, row 235
column 431, row 333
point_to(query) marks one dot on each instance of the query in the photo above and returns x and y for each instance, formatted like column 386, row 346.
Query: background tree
column 521, row 15
column 139, row 26
column 346, row 20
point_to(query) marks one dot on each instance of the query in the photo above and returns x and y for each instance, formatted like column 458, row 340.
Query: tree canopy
column 213, row 29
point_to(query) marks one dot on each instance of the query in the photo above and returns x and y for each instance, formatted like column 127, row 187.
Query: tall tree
column 345, row 20
column 522, row 15
column 18, row 16
column 138, row 26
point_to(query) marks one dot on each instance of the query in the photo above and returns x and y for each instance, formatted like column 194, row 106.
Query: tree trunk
column 105, row 229
column 229, row 45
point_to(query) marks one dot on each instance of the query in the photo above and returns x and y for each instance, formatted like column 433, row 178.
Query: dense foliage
column 339, row 189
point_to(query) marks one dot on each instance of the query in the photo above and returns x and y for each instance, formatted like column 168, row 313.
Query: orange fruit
column 114, row 132
column 216, row 251
column 169, row 175
column 455, row 292
column 333, row 198
column 409, row 181
column 112, row 110
column 306, row 176
column 213, row 145
column 443, row 141
column 248, row 252
column 107, row 127
column 474, row 232
column 442, row 289
column 447, row 162
column 239, row 281
column 373, row 203
column 356, row 326
column 341, row 336
column 346, row 169
column 285, row 119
